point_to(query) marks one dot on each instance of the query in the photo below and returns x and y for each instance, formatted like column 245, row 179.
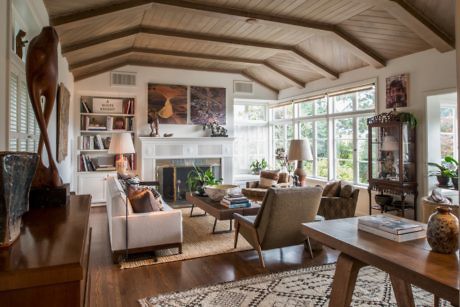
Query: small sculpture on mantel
column 216, row 129
column 154, row 123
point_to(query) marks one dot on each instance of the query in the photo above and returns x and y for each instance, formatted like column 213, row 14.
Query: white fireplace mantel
column 163, row 148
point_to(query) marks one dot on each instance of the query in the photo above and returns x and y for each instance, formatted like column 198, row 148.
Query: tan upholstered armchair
column 340, row 206
column 255, row 192
column 278, row 223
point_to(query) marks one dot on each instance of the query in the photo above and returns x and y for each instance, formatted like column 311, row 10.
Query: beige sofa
column 146, row 231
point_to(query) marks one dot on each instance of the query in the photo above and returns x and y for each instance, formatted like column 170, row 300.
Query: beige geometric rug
column 198, row 242
column 309, row 286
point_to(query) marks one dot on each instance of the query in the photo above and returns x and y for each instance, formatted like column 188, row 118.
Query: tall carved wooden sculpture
column 42, row 77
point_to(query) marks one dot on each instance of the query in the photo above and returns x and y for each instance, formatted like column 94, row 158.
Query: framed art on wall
column 397, row 89
column 63, row 103
column 207, row 104
column 169, row 102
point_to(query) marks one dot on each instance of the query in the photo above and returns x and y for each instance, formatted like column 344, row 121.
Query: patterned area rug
column 198, row 242
column 303, row 287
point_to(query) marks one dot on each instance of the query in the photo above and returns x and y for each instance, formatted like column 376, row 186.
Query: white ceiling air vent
column 120, row 78
column 243, row 87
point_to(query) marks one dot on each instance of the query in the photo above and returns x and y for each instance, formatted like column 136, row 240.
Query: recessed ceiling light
column 251, row 21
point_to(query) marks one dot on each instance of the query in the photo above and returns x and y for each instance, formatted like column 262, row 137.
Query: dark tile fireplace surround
column 172, row 175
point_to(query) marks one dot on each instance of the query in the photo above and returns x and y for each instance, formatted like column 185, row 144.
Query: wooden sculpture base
column 49, row 197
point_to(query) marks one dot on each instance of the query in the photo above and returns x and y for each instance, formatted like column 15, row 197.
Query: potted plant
column 197, row 179
column 443, row 174
column 453, row 162
column 256, row 166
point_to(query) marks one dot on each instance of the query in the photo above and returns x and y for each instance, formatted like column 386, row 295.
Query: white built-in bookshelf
column 99, row 118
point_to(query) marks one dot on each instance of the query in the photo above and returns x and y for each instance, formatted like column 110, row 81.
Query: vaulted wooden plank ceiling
column 278, row 43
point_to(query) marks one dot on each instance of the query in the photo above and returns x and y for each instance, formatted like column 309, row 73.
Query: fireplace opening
column 172, row 175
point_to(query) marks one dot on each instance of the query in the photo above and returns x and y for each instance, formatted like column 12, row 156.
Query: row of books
column 393, row 228
column 90, row 124
column 88, row 164
column 90, row 142
column 235, row 201
column 128, row 107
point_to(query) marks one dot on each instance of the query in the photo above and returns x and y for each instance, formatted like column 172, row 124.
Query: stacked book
column 235, row 201
column 393, row 228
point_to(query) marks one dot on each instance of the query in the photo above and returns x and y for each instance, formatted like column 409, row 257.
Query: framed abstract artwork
column 207, row 104
column 168, row 103
column 397, row 89
column 63, row 104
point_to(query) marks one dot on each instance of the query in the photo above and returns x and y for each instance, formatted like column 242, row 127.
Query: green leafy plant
column 256, row 166
column 442, row 170
column 198, row 178
column 408, row 118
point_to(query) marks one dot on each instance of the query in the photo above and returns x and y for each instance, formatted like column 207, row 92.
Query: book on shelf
column 105, row 169
column 394, row 237
column 85, row 106
column 109, row 123
column 96, row 128
column 393, row 225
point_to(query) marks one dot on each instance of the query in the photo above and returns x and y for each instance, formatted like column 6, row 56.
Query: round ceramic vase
column 442, row 231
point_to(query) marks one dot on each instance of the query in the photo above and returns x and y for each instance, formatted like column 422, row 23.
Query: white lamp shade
column 121, row 143
column 389, row 143
column 300, row 150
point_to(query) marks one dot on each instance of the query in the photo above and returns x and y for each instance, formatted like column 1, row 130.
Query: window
column 24, row 133
column 251, row 135
column 335, row 125
column 281, row 130
column 448, row 130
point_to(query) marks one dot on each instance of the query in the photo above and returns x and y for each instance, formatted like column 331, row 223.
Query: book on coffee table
column 393, row 228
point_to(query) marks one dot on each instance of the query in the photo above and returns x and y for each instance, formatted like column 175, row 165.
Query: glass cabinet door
column 408, row 153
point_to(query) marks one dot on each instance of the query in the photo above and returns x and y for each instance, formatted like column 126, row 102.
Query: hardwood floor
column 111, row 286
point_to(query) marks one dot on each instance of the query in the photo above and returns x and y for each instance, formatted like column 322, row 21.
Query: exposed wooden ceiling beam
column 148, row 64
column 199, row 56
column 99, row 71
column 247, row 75
column 409, row 16
column 275, row 69
column 364, row 52
column 321, row 69
column 428, row 31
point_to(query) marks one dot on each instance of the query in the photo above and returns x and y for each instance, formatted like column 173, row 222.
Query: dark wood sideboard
column 48, row 264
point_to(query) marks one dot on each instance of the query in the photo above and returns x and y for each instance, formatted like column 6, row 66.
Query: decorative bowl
column 217, row 192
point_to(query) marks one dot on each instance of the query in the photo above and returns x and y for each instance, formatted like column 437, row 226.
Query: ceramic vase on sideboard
column 17, row 170
column 442, row 231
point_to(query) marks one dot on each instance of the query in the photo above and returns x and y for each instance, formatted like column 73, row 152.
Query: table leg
column 346, row 272
column 196, row 215
column 221, row 231
column 214, row 227
column 403, row 291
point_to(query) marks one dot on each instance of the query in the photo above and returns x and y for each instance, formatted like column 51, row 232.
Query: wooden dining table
column 408, row 263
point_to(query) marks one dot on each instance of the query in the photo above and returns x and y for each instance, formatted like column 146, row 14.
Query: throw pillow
column 332, row 189
column 268, row 179
column 142, row 201
column 346, row 191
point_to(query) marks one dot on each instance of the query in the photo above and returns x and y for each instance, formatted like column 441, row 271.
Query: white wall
column 4, row 45
column 36, row 16
column 429, row 71
column 100, row 85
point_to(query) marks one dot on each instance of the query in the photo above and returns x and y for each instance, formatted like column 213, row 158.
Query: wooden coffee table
column 407, row 263
column 219, row 212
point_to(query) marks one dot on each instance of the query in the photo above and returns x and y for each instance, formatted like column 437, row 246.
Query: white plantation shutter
column 23, row 129
column 14, row 80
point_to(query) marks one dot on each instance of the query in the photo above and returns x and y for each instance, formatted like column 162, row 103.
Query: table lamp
column 300, row 150
column 120, row 144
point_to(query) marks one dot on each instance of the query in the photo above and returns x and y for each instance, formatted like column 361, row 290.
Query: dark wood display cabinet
column 392, row 162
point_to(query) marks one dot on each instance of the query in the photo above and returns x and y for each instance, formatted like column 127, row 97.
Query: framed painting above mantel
column 207, row 104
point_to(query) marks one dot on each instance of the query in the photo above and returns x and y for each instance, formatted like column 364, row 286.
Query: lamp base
column 301, row 173
column 121, row 165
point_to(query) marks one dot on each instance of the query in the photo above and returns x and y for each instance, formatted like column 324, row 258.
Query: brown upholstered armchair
column 256, row 193
column 278, row 222
column 342, row 205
